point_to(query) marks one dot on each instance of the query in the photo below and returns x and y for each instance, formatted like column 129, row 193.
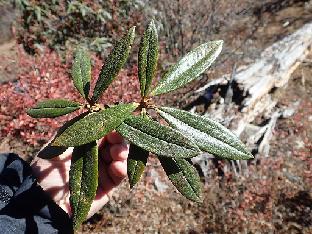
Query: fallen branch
column 256, row 84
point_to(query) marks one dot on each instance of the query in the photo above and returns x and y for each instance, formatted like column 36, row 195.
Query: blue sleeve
column 24, row 206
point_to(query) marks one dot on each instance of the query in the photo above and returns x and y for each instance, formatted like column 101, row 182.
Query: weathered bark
column 255, row 85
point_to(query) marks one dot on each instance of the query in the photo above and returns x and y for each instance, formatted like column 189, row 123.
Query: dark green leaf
column 53, row 108
column 209, row 135
column 81, row 72
column 83, row 181
column 115, row 61
column 94, row 126
column 183, row 176
column 137, row 160
column 189, row 67
column 148, row 57
column 156, row 138
column 49, row 151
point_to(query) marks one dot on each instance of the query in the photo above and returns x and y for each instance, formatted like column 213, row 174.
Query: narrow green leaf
column 209, row 135
column 49, row 151
column 183, row 176
column 81, row 72
column 137, row 160
column 114, row 62
column 189, row 67
column 148, row 57
column 83, row 181
column 156, row 138
column 53, row 108
column 94, row 126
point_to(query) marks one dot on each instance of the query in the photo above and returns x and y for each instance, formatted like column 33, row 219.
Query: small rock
column 5, row 146
column 291, row 177
column 286, row 24
column 160, row 186
column 204, row 162
column 290, row 111
column 299, row 144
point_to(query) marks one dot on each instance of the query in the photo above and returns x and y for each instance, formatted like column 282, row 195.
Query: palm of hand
column 53, row 174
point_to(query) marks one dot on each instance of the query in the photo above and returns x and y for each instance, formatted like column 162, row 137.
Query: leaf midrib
column 53, row 108
column 189, row 148
column 201, row 132
column 186, row 177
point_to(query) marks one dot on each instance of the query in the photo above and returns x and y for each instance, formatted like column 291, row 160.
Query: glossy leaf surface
column 94, row 126
column 53, row 108
column 81, row 72
column 183, row 176
column 209, row 135
column 148, row 57
column 83, row 181
column 189, row 67
column 156, row 138
column 114, row 62
column 137, row 160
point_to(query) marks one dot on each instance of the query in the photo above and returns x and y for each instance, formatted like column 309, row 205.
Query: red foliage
column 46, row 76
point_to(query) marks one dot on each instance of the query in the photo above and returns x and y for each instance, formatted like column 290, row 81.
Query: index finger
column 114, row 138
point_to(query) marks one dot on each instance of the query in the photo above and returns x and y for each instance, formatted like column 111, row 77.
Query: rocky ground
column 276, row 195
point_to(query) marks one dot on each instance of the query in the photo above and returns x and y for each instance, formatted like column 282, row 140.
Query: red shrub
column 44, row 77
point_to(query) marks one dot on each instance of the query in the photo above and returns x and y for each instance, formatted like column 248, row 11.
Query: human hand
column 53, row 174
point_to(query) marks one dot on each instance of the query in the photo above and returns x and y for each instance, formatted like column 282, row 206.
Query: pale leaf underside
column 209, row 135
column 189, row 67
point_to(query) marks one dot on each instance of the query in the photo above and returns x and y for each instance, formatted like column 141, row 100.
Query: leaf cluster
column 184, row 136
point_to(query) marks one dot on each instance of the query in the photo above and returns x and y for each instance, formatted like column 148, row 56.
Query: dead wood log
column 255, row 84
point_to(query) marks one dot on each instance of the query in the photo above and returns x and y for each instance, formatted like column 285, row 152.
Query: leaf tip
column 131, row 34
column 218, row 46
column 28, row 112
column 249, row 156
column 246, row 156
column 198, row 198
column 152, row 25
column 131, row 185
column 220, row 42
